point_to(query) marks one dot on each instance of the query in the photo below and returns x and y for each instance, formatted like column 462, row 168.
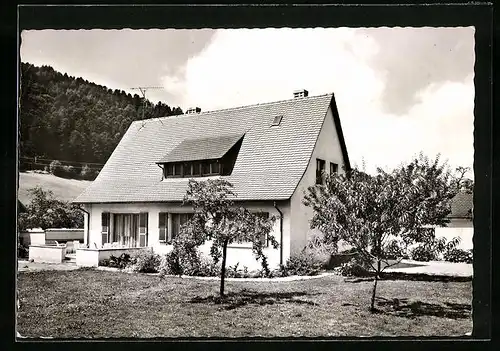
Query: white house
column 460, row 224
column 270, row 152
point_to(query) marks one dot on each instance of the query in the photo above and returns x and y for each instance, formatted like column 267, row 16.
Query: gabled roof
column 461, row 205
column 201, row 148
column 269, row 166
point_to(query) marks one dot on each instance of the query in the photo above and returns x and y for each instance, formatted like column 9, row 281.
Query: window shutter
column 105, row 227
column 143, row 229
column 162, row 226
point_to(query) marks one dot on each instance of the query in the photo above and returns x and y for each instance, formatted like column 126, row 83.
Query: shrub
column 120, row 262
column 207, row 268
column 280, row 272
column 145, row 262
column 171, row 264
column 236, row 272
column 458, row 256
column 22, row 251
column 86, row 172
column 56, row 168
column 70, row 171
column 422, row 253
column 303, row 264
column 353, row 269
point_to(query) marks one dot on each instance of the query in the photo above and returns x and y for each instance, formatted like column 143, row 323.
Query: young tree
column 46, row 212
column 218, row 219
column 381, row 215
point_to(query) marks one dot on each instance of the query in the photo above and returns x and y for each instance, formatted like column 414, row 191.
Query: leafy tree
column 218, row 219
column 68, row 118
column 46, row 212
column 461, row 182
column 381, row 215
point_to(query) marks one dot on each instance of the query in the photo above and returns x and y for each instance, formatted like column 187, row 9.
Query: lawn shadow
column 234, row 300
column 404, row 308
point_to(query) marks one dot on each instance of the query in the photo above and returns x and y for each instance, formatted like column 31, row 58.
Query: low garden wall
column 92, row 257
column 32, row 237
column 50, row 236
column 47, row 253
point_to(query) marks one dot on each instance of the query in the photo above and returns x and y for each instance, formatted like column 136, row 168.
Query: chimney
column 300, row 93
column 193, row 110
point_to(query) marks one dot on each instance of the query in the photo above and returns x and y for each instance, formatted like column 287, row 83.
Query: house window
column 169, row 232
column 177, row 169
column 169, row 170
column 264, row 238
column 105, row 227
column 178, row 219
column 206, row 168
column 320, row 169
column 127, row 227
column 193, row 169
column 187, row 169
column 333, row 168
column 214, row 168
column 196, row 169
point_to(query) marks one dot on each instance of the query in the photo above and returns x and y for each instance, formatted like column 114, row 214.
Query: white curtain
column 126, row 229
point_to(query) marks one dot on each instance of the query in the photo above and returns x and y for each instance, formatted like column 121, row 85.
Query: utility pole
column 143, row 92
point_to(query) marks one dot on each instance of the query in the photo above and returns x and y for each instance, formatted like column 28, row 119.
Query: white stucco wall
column 327, row 148
column 237, row 253
column 461, row 228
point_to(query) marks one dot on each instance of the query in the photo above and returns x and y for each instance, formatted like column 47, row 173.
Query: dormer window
column 202, row 157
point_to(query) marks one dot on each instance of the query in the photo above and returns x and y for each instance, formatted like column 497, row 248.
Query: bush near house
column 120, row 262
column 22, row 251
column 56, row 168
column 422, row 253
column 353, row 268
column 458, row 256
column 304, row 264
column 145, row 262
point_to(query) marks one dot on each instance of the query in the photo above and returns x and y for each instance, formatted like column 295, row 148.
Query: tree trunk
column 223, row 268
column 374, row 292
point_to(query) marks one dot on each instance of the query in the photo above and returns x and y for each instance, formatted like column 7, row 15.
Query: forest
column 71, row 119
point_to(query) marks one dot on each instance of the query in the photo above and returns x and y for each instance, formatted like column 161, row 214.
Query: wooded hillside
column 72, row 119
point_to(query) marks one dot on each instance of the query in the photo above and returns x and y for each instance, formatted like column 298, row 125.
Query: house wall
column 327, row 148
column 462, row 228
column 237, row 253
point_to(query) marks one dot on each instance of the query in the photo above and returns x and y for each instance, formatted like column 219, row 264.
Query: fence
column 27, row 163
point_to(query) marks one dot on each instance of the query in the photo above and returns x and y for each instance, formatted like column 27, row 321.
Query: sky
column 399, row 91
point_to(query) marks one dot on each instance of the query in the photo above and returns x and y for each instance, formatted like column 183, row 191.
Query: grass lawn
column 64, row 189
column 96, row 304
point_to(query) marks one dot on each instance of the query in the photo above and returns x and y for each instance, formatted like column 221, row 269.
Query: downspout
column 162, row 171
column 88, row 224
column 281, row 232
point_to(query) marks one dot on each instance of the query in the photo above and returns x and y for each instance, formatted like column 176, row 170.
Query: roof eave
column 340, row 134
